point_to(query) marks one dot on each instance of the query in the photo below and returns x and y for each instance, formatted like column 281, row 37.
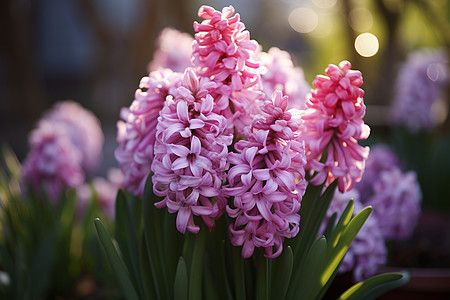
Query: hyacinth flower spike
column 333, row 125
column 190, row 154
column 262, row 181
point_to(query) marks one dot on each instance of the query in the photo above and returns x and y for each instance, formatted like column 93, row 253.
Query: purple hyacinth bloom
column 381, row 158
column 420, row 82
column 368, row 251
column 394, row 195
column 52, row 162
column 267, row 180
column 136, row 134
column 104, row 190
column 191, row 154
column 83, row 129
column 174, row 50
column 279, row 73
column 66, row 143
column 396, row 200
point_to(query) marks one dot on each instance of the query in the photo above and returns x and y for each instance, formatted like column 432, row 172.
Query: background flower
column 66, row 144
column 136, row 134
column 83, row 129
column 279, row 73
column 103, row 190
column 53, row 162
column 174, row 50
column 420, row 84
column 395, row 195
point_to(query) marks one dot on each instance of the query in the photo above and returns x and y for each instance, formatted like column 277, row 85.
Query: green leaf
column 238, row 273
column 309, row 284
column 152, row 218
column 261, row 276
column 344, row 234
column 196, row 266
column 341, row 225
column 116, row 262
column 146, row 273
column 313, row 211
column 330, row 225
column 282, row 270
column 181, row 281
column 337, row 253
column 375, row 286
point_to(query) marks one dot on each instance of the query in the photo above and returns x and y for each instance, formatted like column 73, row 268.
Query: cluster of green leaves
column 35, row 238
column 43, row 247
column 152, row 260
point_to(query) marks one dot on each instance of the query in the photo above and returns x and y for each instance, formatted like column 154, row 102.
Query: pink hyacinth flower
column 279, row 73
column 223, row 52
column 191, row 154
column 267, row 181
column 174, row 50
column 136, row 134
column 53, row 161
column 83, row 129
column 105, row 191
column 333, row 125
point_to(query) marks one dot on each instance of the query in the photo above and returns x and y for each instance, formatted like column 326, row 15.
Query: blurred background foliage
column 95, row 52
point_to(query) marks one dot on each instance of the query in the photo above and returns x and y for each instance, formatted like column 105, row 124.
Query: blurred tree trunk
column 24, row 88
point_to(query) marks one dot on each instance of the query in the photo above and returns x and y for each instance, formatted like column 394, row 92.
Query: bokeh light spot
column 435, row 70
column 366, row 44
column 325, row 3
column 303, row 19
column 360, row 19
column 439, row 111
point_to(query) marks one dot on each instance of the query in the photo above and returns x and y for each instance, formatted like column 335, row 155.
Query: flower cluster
column 190, row 154
column 223, row 52
column 333, row 125
column 279, row 73
column 174, row 51
column 368, row 251
column 65, row 145
column 136, row 134
column 222, row 139
column 267, row 181
column 104, row 190
column 394, row 195
column 420, row 82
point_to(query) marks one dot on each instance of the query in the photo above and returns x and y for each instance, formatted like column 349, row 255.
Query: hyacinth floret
column 223, row 51
column 191, row 151
column 53, row 161
column 333, row 125
column 267, row 181
column 136, row 133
